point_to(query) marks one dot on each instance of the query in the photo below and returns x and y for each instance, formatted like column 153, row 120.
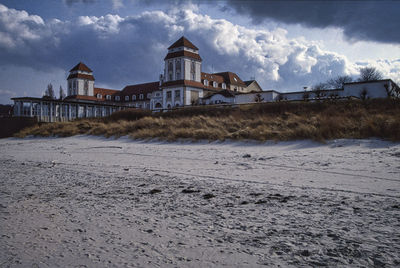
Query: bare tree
column 49, row 93
column 364, row 94
column 318, row 90
column 339, row 81
column 62, row 94
column 279, row 98
column 306, row 95
column 369, row 74
column 258, row 98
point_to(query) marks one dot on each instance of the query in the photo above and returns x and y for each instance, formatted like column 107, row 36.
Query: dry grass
column 271, row 121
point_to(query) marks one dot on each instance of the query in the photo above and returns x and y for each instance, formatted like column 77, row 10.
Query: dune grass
column 267, row 121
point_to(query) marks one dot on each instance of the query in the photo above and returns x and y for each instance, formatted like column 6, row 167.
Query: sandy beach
column 87, row 201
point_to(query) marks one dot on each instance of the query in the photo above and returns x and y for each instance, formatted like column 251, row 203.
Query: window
column 169, row 94
column 133, row 97
column 149, row 95
column 117, row 98
column 69, row 88
column 215, row 84
column 178, row 69
column 205, row 82
column 86, row 88
column 158, row 94
column 223, row 85
column 126, row 98
column 170, row 70
column 235, row 79
column 193, row 70
column 108, row 97
column 177, row 93
column 99, row 96
column 141, row 96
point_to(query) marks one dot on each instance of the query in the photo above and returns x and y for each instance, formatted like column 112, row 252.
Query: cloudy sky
column 285, row 45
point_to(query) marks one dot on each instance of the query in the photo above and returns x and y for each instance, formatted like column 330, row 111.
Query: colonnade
column 58, row 111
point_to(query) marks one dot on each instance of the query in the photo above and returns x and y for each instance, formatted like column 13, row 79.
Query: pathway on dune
column 98, row 202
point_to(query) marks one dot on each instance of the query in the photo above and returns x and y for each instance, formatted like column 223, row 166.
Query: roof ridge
column 183, row 42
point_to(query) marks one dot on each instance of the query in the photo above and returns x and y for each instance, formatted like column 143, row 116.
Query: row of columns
column 56, row 111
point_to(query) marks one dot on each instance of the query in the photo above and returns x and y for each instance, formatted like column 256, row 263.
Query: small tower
column 182, row 62
column 80, row 80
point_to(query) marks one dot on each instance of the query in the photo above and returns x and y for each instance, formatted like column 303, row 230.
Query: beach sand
column 93, row 202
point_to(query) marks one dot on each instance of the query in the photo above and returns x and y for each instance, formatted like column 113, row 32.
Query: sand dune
column 96, row 202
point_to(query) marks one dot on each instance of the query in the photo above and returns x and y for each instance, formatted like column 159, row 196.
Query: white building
column 182, row 84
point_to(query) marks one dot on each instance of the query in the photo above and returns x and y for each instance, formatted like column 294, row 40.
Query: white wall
column 174, row 100
column 187, row 63
column 250, row 97
column 374, row 89
column 188, row 94
column 218, row 98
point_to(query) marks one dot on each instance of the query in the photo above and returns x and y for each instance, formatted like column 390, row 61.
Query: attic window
column 99, row 96
column 141, row 96
column 215, row 84
column 117, row 98
column 223, row 85
column 133, row 97
column 108, row 97
column 235, row 79
column 205, row 82
column 126, row 98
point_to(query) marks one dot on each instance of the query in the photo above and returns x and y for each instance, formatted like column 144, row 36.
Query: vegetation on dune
column 266, row 121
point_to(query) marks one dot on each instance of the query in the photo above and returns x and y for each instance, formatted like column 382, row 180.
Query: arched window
column 170, row 70
column 193, row 70
column 141, row 96
column 86, row 88
column 178, row 69
column 74, row 88
column 126, row 98
column 69, row 88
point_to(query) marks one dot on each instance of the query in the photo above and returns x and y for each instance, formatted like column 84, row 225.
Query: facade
column 182, row 84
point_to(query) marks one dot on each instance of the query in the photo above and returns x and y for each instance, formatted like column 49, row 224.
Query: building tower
column 80, row 81
column 182, row 62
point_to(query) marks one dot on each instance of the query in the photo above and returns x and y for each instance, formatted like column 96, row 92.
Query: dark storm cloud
column 360, row 20
column 71, row 2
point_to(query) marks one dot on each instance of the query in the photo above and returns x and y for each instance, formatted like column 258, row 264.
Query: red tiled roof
column 103, row 92
column 183, row 53
column 189, row 83
column 226, row 93
column 229, row 78
column 183, row 42
column 212, row 78
column 81, row 67
column 137, row 90
column 84, row 76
